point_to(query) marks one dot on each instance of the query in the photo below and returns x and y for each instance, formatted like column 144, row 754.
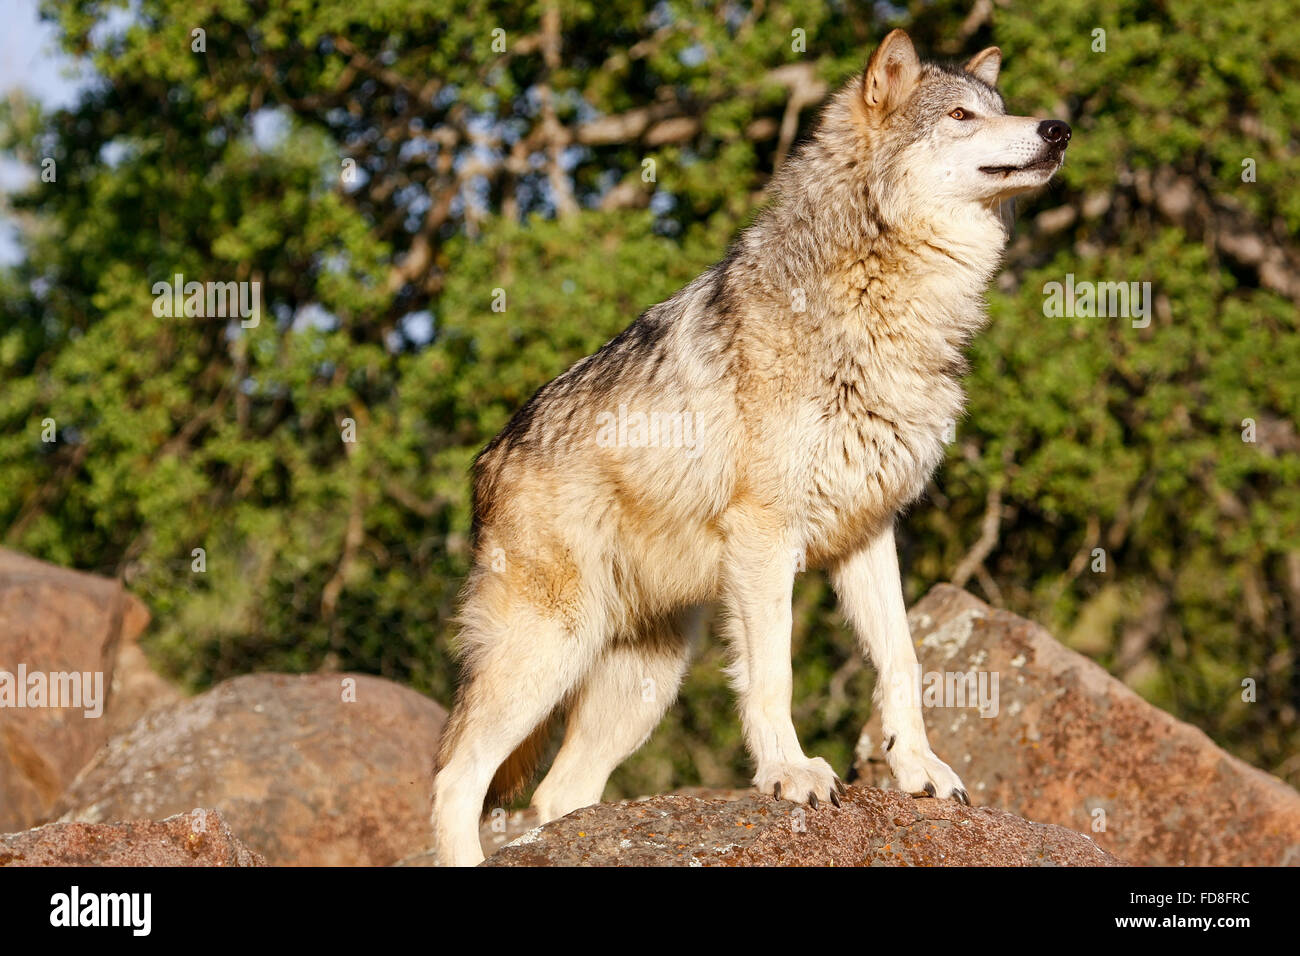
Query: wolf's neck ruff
column 868, row 260
column 880, row 301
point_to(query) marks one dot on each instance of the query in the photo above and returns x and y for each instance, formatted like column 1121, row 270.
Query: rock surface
column 303, row 774
column 53, row 620
column 335, row 769
column 496, row 830
column 137, row 689
column 502, row 827
column 198, row 838
column 1071, row 745
column 872, row 828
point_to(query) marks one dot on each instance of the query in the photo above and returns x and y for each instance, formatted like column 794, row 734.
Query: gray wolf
column 816, row 368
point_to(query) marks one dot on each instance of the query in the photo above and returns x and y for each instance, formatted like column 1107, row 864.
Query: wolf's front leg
column 758, row 578
column 871, row 595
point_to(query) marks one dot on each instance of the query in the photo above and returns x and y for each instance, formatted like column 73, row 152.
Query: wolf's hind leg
column 620, row 703
column 871, row 596
column 513, row 682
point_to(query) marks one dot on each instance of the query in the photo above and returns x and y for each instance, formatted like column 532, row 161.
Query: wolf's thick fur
column 819, row 366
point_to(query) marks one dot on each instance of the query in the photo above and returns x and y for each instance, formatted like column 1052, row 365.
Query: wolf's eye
column 960, row 114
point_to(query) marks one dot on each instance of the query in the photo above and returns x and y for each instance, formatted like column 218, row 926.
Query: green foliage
column 184, row 433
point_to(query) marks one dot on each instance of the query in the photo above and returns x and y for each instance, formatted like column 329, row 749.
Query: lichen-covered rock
column 55, row 621
column 871, row 828
column 504, row 826
column 317, row 769
column 198, row 838
column 1066, row 743
column 496, row 830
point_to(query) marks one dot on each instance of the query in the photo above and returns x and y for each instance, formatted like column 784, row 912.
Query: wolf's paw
column 922, row 774
column 811, row 780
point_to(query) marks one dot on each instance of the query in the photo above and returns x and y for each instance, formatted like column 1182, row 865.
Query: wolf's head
column 920, row 155
column 942, row 134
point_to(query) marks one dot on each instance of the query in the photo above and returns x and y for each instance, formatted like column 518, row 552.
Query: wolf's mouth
column 1047, row 162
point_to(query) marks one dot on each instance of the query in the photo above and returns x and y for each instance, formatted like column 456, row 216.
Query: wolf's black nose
column 1055, row 132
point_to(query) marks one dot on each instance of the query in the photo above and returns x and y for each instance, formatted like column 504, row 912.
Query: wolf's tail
column 520, row 767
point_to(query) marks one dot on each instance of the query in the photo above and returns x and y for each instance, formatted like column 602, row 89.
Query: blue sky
column 30, row 61
column 29, row 58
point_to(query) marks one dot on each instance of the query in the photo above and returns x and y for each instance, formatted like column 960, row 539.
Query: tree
column 444, row 205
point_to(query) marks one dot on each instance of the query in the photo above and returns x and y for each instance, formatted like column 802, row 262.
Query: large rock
column 319, row 769
column 54, row 621
column 198, row 838
column 495, row 831
column 1068, row 744
column 871, row 828
column 137, row 689
column 500, row 827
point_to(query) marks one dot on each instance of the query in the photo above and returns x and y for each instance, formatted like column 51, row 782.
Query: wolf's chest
column 871, row 456
column 872, row 450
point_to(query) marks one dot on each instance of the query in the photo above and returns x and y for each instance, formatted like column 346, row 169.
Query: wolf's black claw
column 929, row 789
column 835, row 798
column 812, row 800
column 890, row 746
column 776, row 792
column 962, row 796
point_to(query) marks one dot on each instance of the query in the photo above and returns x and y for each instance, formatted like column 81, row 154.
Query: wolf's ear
column 985, row 64
column 892, row 72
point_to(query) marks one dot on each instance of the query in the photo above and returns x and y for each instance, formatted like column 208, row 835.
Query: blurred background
column 383, row 167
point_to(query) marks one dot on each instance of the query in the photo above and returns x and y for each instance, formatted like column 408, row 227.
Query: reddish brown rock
column 198, row 838
column 55, row 621
column 1071, row 745
column 495, row 831
column 501, row 826
column 306, row 771
column 137, row 689
column 871, row 828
